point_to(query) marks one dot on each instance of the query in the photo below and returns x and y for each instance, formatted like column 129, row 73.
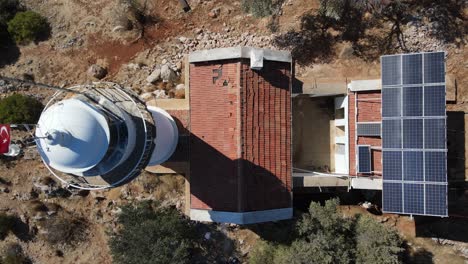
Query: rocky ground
column 107, row 40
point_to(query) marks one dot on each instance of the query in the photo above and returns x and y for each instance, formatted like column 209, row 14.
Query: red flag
column 4, row 138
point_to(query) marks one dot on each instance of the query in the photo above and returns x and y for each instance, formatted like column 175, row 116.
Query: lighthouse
column 102, row 135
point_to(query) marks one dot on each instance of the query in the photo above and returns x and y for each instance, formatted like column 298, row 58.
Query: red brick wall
column 266, row 136
column 214, row 130
column 368, row 110
column 240, row 143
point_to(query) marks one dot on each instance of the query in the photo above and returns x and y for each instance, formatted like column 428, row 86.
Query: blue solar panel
column 412, row 69
column 434, row 67
column 413, row 166
column 391, row 106
column 436, row 199
column 413, row 198
column 412, row 101
column 391, row 70
column 392, row 197
column 434, row 100
column 435, row 166
column 391, row 133
column 412, row 133
column 434, row 134
column 392, row 165
column 414, row 147
column 364, row 159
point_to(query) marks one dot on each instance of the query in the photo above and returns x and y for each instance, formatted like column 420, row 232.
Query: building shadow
column 456, row 146
column 220, row 183
column 9, row 54
column 451, row 228
column 419, row 256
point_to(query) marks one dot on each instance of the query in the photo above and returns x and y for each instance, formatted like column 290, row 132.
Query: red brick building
column 240, row 135
column 365, row 109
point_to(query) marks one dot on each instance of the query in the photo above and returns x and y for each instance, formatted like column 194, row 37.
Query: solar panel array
column 414, row 148
column 364, row 159
column 371, row 129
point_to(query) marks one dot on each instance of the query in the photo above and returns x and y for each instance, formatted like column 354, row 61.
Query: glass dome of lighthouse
column 73, row 136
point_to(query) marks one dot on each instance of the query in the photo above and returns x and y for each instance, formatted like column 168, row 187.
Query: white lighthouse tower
column 101, row 136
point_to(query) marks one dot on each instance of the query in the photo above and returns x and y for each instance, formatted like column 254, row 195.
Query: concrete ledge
column 365, row 85
column 236, row 53
column 366, row 183
column 241, row 218
column 301, row 180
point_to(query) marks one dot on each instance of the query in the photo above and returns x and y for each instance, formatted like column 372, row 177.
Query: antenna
column 40, row 85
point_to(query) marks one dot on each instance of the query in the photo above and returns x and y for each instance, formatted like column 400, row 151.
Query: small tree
column 18, row 108
column 326, row 236
column 28, row 26
column 150, row 235
column 376, row 243
column 326, row 233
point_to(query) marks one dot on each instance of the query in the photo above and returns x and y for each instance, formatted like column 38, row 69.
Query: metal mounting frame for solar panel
column 414, row 134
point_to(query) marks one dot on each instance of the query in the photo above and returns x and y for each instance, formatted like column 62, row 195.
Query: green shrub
column 376, row 243
column 258, row 8
column 325, row 236
column 28, row 26
column 20, row 109
column 150, row 235
column 6, row 225
column 262, row 253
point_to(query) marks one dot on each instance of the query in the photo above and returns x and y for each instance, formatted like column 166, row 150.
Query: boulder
column 154, row 76
column 97, row 71
column 167, row 74
column 214, row 13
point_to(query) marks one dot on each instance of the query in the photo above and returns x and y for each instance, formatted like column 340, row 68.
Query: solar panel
column 412, row 69
column 436, row 199
column 391, row 65
column 434, row 100
column 368, row 129
column 412, row 133
column 392, row 165
column 393, row 200
column 364, row 159
column 412, row 101
column 391, row 133
column 413, row 200
column 391, row 107
column 414, row 148
column 435, row 166
column 434, row 133
column 434, row 67
column 413, row 166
